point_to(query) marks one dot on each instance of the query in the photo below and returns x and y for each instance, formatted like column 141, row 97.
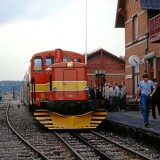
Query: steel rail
column 21, row 138
column 103, row 155
column 71, row 148
column 123, row 147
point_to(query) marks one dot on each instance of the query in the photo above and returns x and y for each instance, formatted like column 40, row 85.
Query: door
column 70, row 84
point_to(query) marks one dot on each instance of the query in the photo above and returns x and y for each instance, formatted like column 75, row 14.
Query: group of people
column 149, row 93
column 114, row 95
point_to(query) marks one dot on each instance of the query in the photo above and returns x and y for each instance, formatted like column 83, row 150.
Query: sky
column 31, row 26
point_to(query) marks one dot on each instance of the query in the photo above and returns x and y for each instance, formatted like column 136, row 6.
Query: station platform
column 135, row 119
column 130, row 124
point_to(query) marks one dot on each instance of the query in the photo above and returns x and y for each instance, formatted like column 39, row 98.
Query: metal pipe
column 145, row 51
column 86, row 37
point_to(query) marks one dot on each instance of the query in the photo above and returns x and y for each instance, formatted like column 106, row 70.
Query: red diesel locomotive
column 55, row 89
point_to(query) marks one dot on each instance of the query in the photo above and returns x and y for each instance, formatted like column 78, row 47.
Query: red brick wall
column 113, row 68
column 133, row 8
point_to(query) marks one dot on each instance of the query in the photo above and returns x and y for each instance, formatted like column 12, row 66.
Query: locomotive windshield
column 49, row 61
column 38, row 65
column 77, row 59
column 66, row 58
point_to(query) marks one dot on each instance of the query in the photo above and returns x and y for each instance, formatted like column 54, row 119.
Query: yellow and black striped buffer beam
column 53, row 120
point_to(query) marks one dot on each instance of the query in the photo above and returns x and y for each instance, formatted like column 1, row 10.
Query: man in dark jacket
column 155, row 99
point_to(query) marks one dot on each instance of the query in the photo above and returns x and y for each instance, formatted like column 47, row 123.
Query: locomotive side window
column 38, row 65
column 49, row 61
column 66, row 58
column 77, row 59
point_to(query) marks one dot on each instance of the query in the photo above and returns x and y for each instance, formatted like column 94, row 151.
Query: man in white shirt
column 145, row 88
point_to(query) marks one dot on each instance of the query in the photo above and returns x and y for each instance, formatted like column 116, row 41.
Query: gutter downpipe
column 146, row 51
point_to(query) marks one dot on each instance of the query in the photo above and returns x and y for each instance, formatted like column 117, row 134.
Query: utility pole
column 86, row 37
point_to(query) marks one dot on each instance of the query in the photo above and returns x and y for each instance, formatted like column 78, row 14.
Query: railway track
column 92, row 145
column 43, row 142
column 12, row 147
column 40, row 155
column 65, row 145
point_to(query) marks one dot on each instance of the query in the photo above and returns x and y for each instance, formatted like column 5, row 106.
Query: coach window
column 66, row 58
column 38, row 65
column 49, row 61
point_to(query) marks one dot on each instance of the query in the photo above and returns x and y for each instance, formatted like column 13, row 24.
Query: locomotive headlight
column 70, row 64
column 86, row 88
column 54, row 88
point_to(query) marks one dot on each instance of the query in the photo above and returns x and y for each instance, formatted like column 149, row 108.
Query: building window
column 150, row 63
column 151, row 68
column 135, row 28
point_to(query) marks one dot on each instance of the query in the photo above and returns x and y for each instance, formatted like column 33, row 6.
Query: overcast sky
column 31, row 26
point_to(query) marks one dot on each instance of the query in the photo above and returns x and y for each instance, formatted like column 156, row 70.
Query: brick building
column 138, row 19
column 103, row 66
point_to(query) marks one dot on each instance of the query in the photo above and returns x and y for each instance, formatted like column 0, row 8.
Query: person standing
column 123, row 95
column 117, row 95
column 106, row 91
column 98, row 92
column 91, row 94
column 106, row 95
column 145, row 88
column 95, row 91
column 112, row 98
column 156, row 99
